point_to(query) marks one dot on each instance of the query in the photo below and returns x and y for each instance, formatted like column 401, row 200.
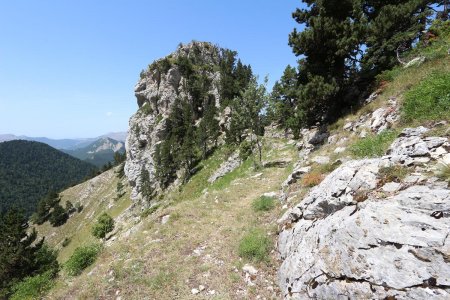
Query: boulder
column 351, row 239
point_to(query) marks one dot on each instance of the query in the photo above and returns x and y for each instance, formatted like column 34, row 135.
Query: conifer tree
column 20, row 254
column 392, row 27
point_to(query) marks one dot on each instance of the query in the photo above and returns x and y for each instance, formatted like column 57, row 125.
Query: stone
column 195, row 291
column 345, row 239
column 363, row 134
column 348, row 126
column 233, row 162
column 201, row 288
column 438, row 152
column 418, row 131
column 165, row 219
column 446, row 159
column 333, row 139
column 270, row 194
column 380, row 249
column 249, row 269
column 339, row 149
column 321, row 160
column 383, row 118
column 391, row 187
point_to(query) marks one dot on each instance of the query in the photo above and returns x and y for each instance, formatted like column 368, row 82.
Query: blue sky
column 68, row 68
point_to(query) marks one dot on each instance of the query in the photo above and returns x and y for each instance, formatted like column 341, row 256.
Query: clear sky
column 68, row 68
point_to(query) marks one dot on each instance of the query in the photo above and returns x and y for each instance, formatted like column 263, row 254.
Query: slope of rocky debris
column 361, row 235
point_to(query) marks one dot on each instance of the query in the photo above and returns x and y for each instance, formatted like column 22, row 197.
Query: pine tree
column 283, row 105
column 392, row 27
column 247, row 113
column 58, row 216
column 329, row 44
column 20, row 254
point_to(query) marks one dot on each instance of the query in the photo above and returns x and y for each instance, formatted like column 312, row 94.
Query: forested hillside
column 29, row 170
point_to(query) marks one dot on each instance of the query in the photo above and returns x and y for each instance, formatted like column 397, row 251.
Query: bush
column 428, row 101
column 374, row 145
column 104, row 225
column 444, row 172
column 263, row 203
column 312, row 179
column 33, row 287
column 66, row 242
column 255, row 246
column 245, row 150
column 81, row 258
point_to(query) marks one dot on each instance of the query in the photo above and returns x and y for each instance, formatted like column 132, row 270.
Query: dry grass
column 312, row 178
column 97, row 196
column 198, row 246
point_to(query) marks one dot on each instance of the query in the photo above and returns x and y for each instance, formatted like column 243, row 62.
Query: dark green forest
column 30, row 170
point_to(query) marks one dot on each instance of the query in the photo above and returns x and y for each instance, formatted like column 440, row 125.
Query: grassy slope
column 158, row 261
column 96, row 195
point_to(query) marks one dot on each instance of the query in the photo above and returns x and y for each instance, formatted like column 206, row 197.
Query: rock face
column 355, row 237
column 156, row 91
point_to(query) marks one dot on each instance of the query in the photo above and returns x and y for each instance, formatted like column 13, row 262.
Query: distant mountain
column 70, row 144
column 99, row 152
column 29, row 170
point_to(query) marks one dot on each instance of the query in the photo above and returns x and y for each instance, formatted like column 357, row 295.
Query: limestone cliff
column 165, row 81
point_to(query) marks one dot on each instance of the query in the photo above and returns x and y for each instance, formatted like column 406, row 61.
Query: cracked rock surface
column 336, row 244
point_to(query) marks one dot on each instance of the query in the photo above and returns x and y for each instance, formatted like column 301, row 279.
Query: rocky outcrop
column 381, row 119
column 233, row 162
column 156, row 91
column 354, row 236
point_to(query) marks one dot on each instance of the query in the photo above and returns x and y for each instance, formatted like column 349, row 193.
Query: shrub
column 33, row 287
column 104, row 225
column 444, row 172
column 245, row 150
column 66, row 242
column 263, row 203
column 255, row 246
column 81, row 258
column 312, row 179
column 373, row 145
column 428, row 101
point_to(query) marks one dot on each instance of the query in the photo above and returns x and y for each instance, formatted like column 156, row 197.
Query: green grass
column 255, row 246
column 263, row 203
column 82, row 258
column 161, row 280
column 373, row 145
column 428, row 101
column 444, row 172
column 239, row 172
column 33, row 287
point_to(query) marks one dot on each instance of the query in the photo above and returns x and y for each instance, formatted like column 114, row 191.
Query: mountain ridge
column 66, row 144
